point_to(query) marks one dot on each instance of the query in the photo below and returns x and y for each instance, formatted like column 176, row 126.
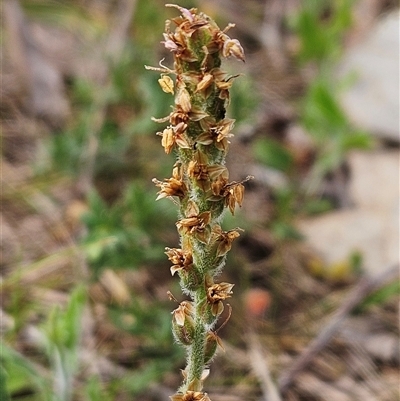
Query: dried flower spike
column 199, row 133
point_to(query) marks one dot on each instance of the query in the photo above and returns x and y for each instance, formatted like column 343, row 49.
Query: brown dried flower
column 224, row 239
column 196, row 224
column 173, row 186
column 198, row 170
column 232, row 192
column 190, row 396
column 232, row 47
column 182, row 99
column 182, row 260
column 184, row 311
column 217, row 133
column 174, row 135
column 216, row 293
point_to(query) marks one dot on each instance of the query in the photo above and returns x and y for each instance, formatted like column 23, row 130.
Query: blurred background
column 85, row 314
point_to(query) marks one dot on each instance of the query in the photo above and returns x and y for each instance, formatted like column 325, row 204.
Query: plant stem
column 195, row 364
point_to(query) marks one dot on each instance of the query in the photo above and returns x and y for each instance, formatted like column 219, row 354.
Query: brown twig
column 357, row 294
column 261, row 369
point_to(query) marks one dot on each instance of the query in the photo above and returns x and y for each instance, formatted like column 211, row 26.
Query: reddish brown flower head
column 184, row 311
column 191, row 396
column 182, row 260
column 198, row 171
column 196, row 224
column 232, row 192
column 232, row 47
column 199, row 134
column 178, row 116
column 217, row 133
column 174, row 135
column 216, row 293
column 173, row 186
column 224, row 239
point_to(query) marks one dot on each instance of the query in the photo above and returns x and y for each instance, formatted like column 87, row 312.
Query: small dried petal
column 184, row 310
column 206, row 138
column 218, row 171
column 190, row 396
column 170, row 45
column 185, row 12
column 224, row 239
column 197, row 114
column 183, row 100
column 192, row 209
column 232, row 192
column 178, row 115
column 167, row 84
column 216, row 132
column 224, row 128
column 232, row 47
column 174, row 135
column 180, row 137
column 223, row 85
column 167, row 140
column 220, row 291
column 205, row 82
column 238, row 193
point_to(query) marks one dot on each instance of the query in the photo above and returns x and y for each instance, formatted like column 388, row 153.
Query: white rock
column 375, row 179
column 372, row 103
column 371, row 227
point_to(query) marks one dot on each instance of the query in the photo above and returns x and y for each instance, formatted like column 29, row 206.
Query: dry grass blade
column 260, row 366
column 364, row 287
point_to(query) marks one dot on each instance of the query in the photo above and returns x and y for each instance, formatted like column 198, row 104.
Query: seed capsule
column 210, row 349
column 183, row 99
column 183, row 334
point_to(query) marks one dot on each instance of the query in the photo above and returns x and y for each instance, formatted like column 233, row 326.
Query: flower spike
column 199, row 134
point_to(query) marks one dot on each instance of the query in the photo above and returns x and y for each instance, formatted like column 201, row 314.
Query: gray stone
column 371, row 226
column 372, row 102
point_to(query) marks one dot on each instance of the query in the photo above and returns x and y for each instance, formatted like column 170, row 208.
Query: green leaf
column 21, row 373
column 317, row 206
column 4, row 395
column 273, row 154
column 380, row 296
column 95, row 391
column 356, row 140
column 285, row 231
